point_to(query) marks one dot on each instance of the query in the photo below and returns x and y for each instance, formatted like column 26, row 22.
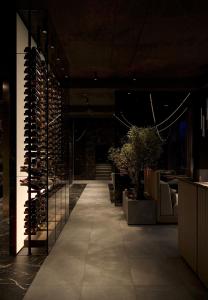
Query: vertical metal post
column 29, row 136
column 73, row 154
column 47, row 134
column 196, row 137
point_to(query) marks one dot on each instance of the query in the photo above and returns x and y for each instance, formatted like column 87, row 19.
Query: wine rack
column 43, row 148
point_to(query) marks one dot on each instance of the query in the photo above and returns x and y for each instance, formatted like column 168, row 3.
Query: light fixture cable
column 174, row 120
column 125, row 119
column 174, row 111
column 81, row 135
column 114, row 115
column 154, row 119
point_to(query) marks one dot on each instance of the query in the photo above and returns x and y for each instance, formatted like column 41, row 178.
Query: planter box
column 138, row 212
column 119, row 183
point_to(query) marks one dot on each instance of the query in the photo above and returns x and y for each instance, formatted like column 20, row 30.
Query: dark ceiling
column 141, row 39
column 145, row 38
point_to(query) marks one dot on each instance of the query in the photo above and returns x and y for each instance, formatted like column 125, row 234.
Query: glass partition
column 42, row 181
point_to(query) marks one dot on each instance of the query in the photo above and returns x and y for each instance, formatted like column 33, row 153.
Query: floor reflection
column 17, row 273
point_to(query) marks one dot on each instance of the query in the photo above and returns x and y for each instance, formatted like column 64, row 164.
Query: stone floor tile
column 152, row 271
column 98, row 256
column 102, row 291
column 164, row 293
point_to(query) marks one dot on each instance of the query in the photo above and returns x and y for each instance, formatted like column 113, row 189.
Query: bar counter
column 193, row 226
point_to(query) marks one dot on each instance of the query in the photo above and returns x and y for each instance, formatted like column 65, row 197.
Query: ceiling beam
column 138, row 84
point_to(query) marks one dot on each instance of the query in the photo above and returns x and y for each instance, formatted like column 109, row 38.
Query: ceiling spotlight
column 66, row 76
column 129, row 93
column 134, row 79
column 165, row 105
column 44, row 31
column 5, row 86
column 52, row 47
column 95, row 76
column 58, row 59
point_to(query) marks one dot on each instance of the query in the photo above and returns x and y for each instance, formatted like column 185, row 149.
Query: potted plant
column 120, row 177
column 142, row 149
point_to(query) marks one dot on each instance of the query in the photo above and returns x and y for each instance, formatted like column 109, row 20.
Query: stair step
column 101, row 174
column 108, row 168
column 103, row 171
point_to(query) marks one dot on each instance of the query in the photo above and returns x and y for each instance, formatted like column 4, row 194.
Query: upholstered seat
column 168, row 199
column 165, row 197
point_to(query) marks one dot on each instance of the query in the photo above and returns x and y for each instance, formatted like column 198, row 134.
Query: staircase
column 103, row 171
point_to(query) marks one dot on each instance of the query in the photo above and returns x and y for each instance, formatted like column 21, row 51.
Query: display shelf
column 45, row 208
column 49, row 233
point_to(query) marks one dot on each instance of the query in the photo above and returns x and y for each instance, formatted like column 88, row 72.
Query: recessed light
column 58, row 59
column 95, row 76
column 5, row 86
column 52, row 47
column 134, row 79
column 44, row 31
column 165, row 105
column 129, row 93
column 66, row 76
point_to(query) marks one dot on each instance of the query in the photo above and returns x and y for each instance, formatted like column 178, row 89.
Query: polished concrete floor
column 98, row 256
column 17, row 273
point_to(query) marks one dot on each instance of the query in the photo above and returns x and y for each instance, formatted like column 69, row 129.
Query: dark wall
column 200, row 135
column 187, row 145
column 8, row 106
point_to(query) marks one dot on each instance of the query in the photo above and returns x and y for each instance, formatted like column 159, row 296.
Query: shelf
column 43, row 150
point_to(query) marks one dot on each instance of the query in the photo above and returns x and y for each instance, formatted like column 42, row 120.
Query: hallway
column 98, row 256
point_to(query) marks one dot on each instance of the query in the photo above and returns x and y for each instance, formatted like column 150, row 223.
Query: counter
column 193, row 226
